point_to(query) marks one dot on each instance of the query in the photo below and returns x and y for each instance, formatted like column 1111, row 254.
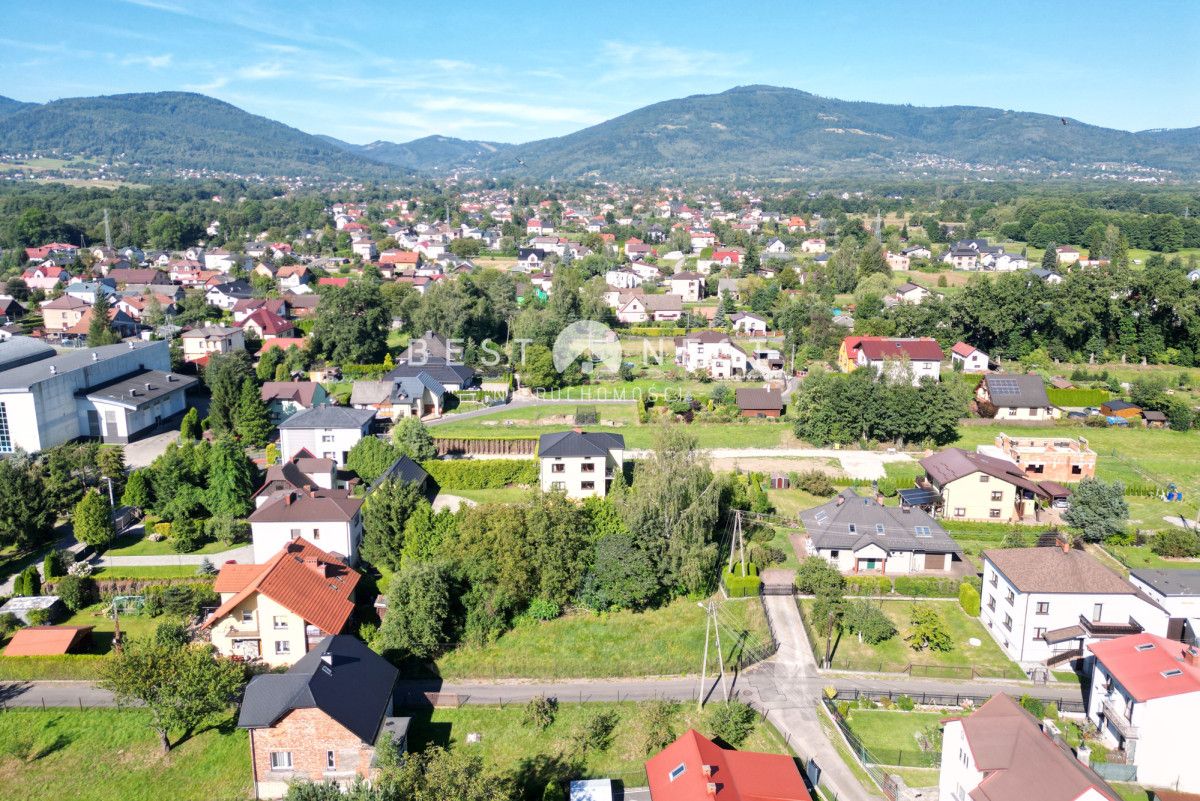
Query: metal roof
column 25, row 376
column 567, row 444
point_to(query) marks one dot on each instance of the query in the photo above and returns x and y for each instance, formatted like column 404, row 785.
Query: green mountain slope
column 428, row 154
column 170, row 131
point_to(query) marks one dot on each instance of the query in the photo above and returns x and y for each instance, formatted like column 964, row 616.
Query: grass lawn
column 512, row 746
column 891, row 736
column 895, row 654
column 660, row 642
column 112, row 755
column 847, row 756
column 14, row 559
column 496, row 495
column 917, row 777
column 139, row 626
column 153, row 571
column 1135, row 556
column 140, row 546
column 1131, row 792
column 791, row 502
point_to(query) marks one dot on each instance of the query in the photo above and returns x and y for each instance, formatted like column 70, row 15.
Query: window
column 282, row 647
column 281, row 760
column 247, row 616
column 1172, row 673
column 1010, row 597
column 1035, row 468
column 879, row 528
column 993, row 513
column 1012, row 412
column 922, row 531
column 984, row 478
column 997, row 495
column 853, row 529
column 1032, row 412
column 1097, row 612
column 589, row 467
column 992, row 602
column 1146, row 646
column 330, row 760
column 587, row 485
column 558, row 467
column 677, row 771
column 279, row 622
column 327, row 438
column 960, row 511
column 1039, row 633
column 1076, row 469
column 558, row 485
column 1043, row 608
column 295, row 533
column 834, row 554
column 1008, row 622
column 316, row 533
column 995, row 580
column 6, row 444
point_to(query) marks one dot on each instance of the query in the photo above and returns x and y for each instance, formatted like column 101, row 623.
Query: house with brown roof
column 328, row 517
column 1044, row 605
column 279, row 609
column 303, row 473
column 641, row 308
column 49, row 641
column 1001, row 753
column 713, row 352
column 285, row 398
column 264, row 325
column 755, row 402
column 922, row 357
column 975, row 486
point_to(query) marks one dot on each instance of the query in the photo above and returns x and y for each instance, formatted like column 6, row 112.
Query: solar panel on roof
column 1003, row 386
column 918, row 496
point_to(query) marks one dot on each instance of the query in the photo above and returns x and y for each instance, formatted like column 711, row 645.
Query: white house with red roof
column 813, row 246
column 702, row 239
column 971, row 358
column 536, row 227
column 923, row 357
column 46, row 277
column 1145, row 701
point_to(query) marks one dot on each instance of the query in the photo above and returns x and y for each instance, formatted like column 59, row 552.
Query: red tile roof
column 737, row 775
column 270, row 324
column 328, row 281
column 46, row 640
column 283, row 343
column 302, row 578
column 963, row 349
column 918, row 350
column 1141, row 672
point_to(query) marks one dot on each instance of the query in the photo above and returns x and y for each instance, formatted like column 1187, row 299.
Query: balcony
column 1117, row 719
column 1098, row 629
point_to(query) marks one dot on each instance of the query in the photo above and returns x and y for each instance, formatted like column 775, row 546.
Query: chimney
column 841, row 499
column 149, row 386
column 288, row 498
column 317, row 566
column 1064, row 543
column 1191, row 656
column 708, row 770
column 95, row 356
column 53, row 370
column 711, row 788
column 1084, row 755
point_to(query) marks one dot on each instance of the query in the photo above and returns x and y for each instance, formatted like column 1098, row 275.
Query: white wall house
column 1145, row 700
column 1043, row 605
column 329, row 519
column 712, row 352
column 327, row 432
column 968, row 358
column 580, row 463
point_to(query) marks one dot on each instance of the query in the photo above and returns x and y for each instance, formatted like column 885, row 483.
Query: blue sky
column 514, row 72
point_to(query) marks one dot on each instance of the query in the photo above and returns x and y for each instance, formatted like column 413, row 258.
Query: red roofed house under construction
column 694, row 768
column 279, row 610
column 1145, row 700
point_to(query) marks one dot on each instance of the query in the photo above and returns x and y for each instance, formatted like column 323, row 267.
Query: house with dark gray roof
column 580, row 463
column 325, row 431
column 1178, row 591
column 861, row 535
column 1015, row 397
column 324, row 719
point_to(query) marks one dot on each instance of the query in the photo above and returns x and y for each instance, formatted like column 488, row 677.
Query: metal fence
column 950, row 699
column 868, row 760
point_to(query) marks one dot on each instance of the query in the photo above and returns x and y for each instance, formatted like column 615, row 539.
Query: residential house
column 580, row 463
column 1145, row 701
column 325, row 431
column 323, row 720
column 440, row 358
column 10, row 310
column 922, row 357
column 330, row 519
column 1061, row 459
column 861, row 535
column 775, row 247
column 87, row 290
column 52, row 250
column 975, row 486
column 813, row 246
column 1046, row 276
column 201, row 343
column 702, row 239
column 729, row 286
column 759, row 402
column 278, row 610
column 968, row 358
column 1044, row 605
column 537, row 227
column 530, row 260
column 1178, row 591
column 712, row 352
column 897, row 261
column 46, row 277
column 694, row 768
column 225, row 296
column 140, row 278
column 114, row 393
column 1001, row 753
column 244, row 308
column 962, row 258
column 689, row 286
column 63, row 313
column 286, row 398
column 394, row 399
column 1015, row 397
column 727, row 257
column 747, row 323
column 1010, row 262
column 364, row 248
column 917, row 252
column 641, row 308
column 913, row 294
column 303, row 473
column 1066, row 254
column 264, row 325
column 622, row 279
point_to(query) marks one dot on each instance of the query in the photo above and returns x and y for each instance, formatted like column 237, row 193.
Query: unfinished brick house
column 1049, row 458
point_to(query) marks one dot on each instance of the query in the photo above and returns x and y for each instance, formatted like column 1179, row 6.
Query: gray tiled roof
column 325, row 416
column 1013, row 389
column 341, row 676
column 857, row 521
column 566, row 444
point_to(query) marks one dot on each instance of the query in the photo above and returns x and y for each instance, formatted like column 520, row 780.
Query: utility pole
column 704, row 668
column 712, row 628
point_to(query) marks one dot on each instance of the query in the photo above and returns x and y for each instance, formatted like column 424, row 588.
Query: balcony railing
column 1117, row 719
column 1097, row 629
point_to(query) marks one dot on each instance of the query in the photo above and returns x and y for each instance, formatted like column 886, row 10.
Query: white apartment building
column 1145, row 700
column 580, row 463
column 713, row 352
column 1044, row 605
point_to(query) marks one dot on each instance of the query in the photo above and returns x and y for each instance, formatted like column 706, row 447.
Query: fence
column 865, row 758
column 949, row 699
column 1115, row 772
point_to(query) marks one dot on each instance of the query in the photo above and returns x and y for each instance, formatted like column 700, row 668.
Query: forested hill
column 172, row 131
column 428, row 154
column 8, row 105
column 767, row 130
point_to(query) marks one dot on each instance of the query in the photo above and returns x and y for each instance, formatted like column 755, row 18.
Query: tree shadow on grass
column 222, row 725
column 534, row 773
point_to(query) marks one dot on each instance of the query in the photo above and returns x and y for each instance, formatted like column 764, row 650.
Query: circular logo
column 595, row 341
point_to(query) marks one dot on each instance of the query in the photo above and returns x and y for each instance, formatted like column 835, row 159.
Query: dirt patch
column 761, row 464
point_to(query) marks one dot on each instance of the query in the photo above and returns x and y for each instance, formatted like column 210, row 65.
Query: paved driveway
column 144, row 451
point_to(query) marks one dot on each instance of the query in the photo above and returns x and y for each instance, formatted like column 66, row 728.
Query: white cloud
column 263, row 71
column 152, row 62
column 623, row 61
column 522, row 111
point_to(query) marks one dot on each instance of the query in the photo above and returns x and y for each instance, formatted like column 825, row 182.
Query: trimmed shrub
column 731, row 721
column 28, row 583
column 1176, row 543
column 482, row 473
column 868, row 585
column 739, row 586
column 926, row 587
column 905, row 703
column 51, row 567
column 39, row 617
column 77, row 592
column 968, row 599
column 1033, row 706
column 814, row 482
column 184, row 600
column 1077, row 397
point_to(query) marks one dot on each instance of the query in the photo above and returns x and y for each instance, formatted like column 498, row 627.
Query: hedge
column 933, row 587
column 641, row 331
column 868, row 585
column 1078, row 397
column 481, row 473
column 968, row 599
column 739, row 586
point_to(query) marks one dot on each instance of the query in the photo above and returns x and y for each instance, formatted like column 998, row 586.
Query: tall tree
column 224, row 377
column 371, row 457
column 418, row 610
column 253, row 419
column 100, row 330
column 385, row 512
column 231, row 480
column 92, row 520
column 25, row 517
column 351, row 324
column 1050, row 257
column 1098, row 509
column 412, row 439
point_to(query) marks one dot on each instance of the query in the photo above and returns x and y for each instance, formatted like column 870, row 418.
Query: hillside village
column 828, row 504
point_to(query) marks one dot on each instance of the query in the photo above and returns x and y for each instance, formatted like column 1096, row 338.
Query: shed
column 1154, row 419
column 780, row 481
column 21, row 606
column 591, row 790
column 1119, row 408
column 49, row 640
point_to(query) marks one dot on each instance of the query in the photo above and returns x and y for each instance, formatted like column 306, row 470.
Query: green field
column 497, row 495
column 891, row 735
column 112, row 755
column 895, row 654
column 660, row 642
column 512, row 746
column 1135, row 556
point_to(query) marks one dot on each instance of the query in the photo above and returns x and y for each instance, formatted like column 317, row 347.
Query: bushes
column 814, row 482
column 186, row 533
column 1176, row 543
column 228, row 530
column 77, row 592
column 926, row 587
column 540, row 712
column 28, row 582
column 482, row 473
column 39, row 617
column 731, row 721
column 739, row 586
column 1033, row 706
column 968, row 599
column 183, row 600
column 905, row 703
column 868, row 585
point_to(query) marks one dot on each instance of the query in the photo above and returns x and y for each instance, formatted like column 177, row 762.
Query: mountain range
column 748, row 131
